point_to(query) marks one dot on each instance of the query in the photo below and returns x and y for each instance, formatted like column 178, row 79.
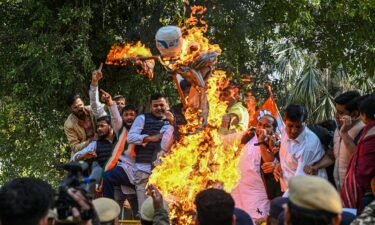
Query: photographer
column 25, row 201
column 103, row 210
column 85, row 205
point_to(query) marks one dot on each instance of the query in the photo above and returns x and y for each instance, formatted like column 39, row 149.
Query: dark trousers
column 117, row 177
column 120, row 197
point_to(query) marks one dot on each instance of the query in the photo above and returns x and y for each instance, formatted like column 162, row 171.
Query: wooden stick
column 142, row 58
column 180, row 92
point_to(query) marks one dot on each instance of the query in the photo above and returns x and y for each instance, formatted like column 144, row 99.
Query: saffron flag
column 269, row 107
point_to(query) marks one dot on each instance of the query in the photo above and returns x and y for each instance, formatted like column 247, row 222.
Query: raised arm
column 264, row 141
column 115, row 114
column 348, row 141
column 96, row 106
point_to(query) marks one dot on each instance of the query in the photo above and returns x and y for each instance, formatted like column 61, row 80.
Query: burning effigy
column 201, row 158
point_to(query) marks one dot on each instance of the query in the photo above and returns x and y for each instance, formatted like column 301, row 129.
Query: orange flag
column 270, row 106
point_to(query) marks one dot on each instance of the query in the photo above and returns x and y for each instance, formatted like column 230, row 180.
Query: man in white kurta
column 250, row 194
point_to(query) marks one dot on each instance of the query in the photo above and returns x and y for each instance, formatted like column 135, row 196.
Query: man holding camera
column 27, row 201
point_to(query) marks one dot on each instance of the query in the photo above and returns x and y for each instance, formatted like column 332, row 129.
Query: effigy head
column 169, row 41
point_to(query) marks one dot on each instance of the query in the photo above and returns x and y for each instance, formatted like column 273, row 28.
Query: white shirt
column 306, row 149
column 250, row 194
column 89, row 148
column 135, row 137
column 96, row 106
column 98, row 109
column 125, row 161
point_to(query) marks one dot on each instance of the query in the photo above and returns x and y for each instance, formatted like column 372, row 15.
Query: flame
column 194, row 41
column 123, row 50
column 251, row 108
column 198, row 161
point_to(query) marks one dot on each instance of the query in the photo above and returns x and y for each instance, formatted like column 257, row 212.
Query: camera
column 74, row 179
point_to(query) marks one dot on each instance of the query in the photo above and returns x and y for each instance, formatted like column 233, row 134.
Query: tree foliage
column 48, row 48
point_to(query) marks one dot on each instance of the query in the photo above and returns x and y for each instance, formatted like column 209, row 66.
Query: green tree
column 48, row 49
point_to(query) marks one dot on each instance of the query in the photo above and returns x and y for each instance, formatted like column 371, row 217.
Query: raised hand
column 156, row 196
column 225, row 122
column 248, row 135
column 97, row 75
column 169, row 116
column 346, row 124
column 262, row 134
column 106, row 98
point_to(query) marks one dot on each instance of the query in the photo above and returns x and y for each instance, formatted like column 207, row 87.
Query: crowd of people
column 307, row 174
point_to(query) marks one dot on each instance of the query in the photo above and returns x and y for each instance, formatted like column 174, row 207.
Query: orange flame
column 198, row 161
column 194, row 41
column 126, row 50
column 251, row 108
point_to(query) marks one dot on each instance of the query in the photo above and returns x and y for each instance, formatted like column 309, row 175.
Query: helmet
column 169, row 41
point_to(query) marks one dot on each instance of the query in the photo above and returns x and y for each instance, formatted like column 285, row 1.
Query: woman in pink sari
column 362, row 164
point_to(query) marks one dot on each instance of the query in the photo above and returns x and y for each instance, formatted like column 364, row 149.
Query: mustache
column 80, row 114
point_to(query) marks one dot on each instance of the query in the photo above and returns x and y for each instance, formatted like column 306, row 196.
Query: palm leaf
column 308, row 86
column 325, row 109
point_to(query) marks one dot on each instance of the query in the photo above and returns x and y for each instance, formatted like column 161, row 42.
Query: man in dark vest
column 101, row 149
column 147, row 134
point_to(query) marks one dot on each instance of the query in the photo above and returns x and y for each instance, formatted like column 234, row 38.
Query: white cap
column 169, row 41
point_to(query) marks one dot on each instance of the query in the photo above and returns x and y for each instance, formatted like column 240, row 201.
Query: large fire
column 198, row 161
column 203, row 159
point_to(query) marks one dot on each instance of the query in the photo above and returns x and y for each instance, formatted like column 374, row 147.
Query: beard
column 128, row 125
column 80, row 114
column 102, row 136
